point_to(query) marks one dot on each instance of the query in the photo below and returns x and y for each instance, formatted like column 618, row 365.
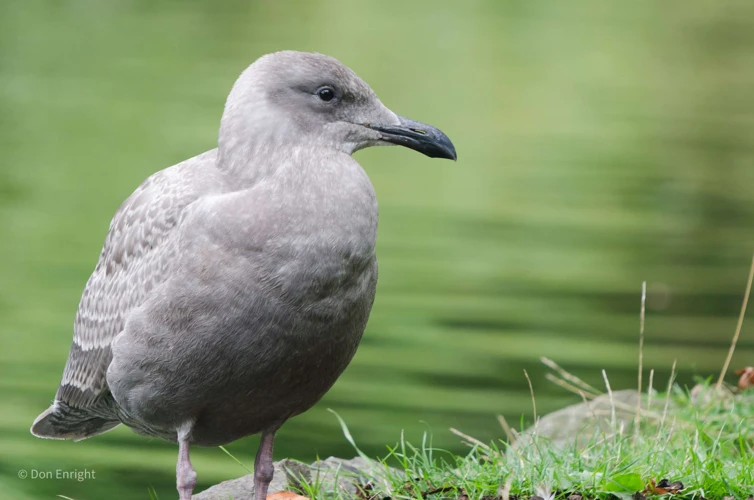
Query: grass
column 703, row 438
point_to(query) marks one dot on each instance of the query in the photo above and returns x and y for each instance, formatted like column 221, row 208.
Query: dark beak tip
column 452, row 155
column 439, row 145
column 446, row 155
column 420, row 137
column 446, row 150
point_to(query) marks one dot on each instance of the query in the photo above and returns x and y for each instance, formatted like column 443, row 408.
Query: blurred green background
column 600, row 144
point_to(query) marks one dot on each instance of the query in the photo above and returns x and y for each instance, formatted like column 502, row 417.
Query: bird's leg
column 263, row 468
column 184, row 473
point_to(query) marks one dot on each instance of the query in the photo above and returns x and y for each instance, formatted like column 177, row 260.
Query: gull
column 234, row 288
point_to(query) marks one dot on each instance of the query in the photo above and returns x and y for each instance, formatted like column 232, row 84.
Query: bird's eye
column 326, row 94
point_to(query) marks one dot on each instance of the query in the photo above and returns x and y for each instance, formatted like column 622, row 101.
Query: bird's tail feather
column 61, row 421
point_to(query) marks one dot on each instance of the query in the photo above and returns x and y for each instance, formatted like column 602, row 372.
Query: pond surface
column 600, row 145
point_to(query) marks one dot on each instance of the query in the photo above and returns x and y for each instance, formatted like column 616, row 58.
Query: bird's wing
column 138, row 255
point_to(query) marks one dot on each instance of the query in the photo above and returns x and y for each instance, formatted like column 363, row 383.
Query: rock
column 330, row 475
column 705, row 395
column 286, row 472
column 346, row 475
column 579, row 423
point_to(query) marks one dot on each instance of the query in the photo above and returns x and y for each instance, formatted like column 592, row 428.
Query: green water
column 600, row 144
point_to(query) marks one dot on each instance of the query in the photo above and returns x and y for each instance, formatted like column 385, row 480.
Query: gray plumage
column 233, row 288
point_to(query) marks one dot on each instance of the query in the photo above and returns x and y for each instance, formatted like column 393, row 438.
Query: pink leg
column 263, row 468
column 184, row 472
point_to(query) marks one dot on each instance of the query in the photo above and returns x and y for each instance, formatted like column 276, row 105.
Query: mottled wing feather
column 137, row 256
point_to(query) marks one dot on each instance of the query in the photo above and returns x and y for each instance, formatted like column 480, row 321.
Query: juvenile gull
column 233, row 288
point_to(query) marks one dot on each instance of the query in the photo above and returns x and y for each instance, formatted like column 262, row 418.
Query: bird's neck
column 246, row 163
column 253, row 145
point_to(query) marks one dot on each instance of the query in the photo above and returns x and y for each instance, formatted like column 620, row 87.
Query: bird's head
column 313, row 99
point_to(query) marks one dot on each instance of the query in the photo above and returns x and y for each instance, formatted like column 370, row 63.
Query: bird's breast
column 307, row 239
column 323, row 270
column 322, row 245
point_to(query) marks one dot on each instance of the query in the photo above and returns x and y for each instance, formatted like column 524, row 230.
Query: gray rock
column 336, row 474
column 243, row 488
column 579, row 423
column 332, row 475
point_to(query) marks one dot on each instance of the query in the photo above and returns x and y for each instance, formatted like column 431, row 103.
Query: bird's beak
column 418, row 136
